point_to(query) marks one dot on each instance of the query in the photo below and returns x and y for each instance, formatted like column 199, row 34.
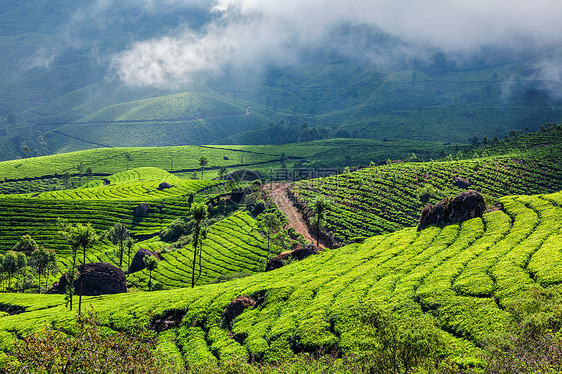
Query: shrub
column 89, row 348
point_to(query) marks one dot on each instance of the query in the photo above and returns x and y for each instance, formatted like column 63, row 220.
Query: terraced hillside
column 463, row 281
column 334, row 153
column 103, row 206
column 387, row 198
column 233, row 245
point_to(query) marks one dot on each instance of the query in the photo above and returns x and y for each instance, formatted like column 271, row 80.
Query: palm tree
column 78, row 236
column 151, row 264
column 129, row 243
column 119, row 234
column 319, row 207
column 199, row 215
column 269, row 224
column 203, row 161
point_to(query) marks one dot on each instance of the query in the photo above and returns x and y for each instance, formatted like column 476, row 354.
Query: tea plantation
column 233, row 245
column 384, row 199
column 462, row 280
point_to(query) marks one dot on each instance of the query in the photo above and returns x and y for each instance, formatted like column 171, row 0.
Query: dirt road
column 278, row 192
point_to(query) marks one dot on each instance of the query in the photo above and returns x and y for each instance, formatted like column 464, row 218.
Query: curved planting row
column 38, row 218
column 462, row 279
column 232, row 245
column 383, row 199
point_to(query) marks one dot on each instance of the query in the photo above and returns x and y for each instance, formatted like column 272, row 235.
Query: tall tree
column 21, row 267
column 2, row 270
column 319, row 207
column 203, row 161
column 151, row 264
column 129, row 244
column 129, row 158
column 10, row 266
column 269, row 224
column 222, row 172
column 42, row 260
column 84, row 237
column 119, row 235
column 199, row 215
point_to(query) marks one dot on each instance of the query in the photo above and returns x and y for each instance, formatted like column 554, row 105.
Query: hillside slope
column 464, row 279
column 389, row 197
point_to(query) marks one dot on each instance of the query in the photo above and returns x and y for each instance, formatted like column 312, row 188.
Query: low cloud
column 253, row 33
column 549, row 73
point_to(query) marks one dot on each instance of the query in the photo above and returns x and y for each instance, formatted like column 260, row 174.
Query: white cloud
column 255, row 32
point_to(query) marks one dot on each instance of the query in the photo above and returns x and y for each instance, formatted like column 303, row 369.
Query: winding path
column 278, row 192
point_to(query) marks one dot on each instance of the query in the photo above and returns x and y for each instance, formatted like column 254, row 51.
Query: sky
column 257, row 33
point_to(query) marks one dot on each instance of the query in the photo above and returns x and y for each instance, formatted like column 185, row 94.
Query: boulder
column 164, row 185
column 277, row 261
column 236, row 307
column 100, row 278
column 436, row 215
column 141, row 210
column 304, row 252
column 298, row 254
column 467, row 205
column 138, row 264
column 462, row 182
column 171, row 319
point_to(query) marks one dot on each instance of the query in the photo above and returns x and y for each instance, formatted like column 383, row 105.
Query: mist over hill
column 89, row 74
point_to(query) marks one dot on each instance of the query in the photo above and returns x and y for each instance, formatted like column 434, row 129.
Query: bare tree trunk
column 193, row 268
column 81, row 283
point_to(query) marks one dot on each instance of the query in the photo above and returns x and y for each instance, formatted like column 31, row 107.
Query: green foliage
column 43, row 261
column 87, row 348
column 404, row 299
column 78, row 236
column 25, row 244
column 319, row 207
column 270, row 225
column 151, row 264
column 119, row 234
column 229, row 277
column 199, row 214
column 386, row 198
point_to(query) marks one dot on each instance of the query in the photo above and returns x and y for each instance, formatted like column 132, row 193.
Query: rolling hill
column 387, row 198
column 463, row 282
column 60, row 94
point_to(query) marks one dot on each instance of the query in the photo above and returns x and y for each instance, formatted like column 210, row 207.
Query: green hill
column 59, row 97
column 463, row 282
column 387, row 198
column 233, row 245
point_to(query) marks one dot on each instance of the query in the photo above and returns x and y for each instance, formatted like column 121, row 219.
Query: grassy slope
column 386, row 198
column 334, row 153
column 102, row 206
column 233, row 245
column 464, row 278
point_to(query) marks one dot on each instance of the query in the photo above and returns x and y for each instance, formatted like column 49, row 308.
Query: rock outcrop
column 164, row 185
column 462, row 182
column 138, row 264
column 141, row 210
column 100, row 278
column 236, row 307
column 467, row 205
column 298, row 254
